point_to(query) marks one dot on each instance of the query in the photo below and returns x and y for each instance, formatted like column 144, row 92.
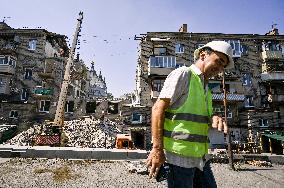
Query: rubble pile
column 92, row 134
column 80, row 133
column 260, row 163
column 25, row 138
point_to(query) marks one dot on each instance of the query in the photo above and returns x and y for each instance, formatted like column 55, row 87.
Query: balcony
column 272, row 76
column 8, row 50
column 43, row 93
column 161, row 65
column 271, row 55
column 7, row 69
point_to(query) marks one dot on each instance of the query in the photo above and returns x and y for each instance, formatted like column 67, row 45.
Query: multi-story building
column 97, row 88
column 254, row 87
column 32, row 63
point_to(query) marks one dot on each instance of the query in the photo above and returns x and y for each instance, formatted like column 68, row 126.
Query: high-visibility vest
column 186, row 128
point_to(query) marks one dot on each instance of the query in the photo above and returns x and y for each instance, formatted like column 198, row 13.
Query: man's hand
column 219, row 123
column 155, row 161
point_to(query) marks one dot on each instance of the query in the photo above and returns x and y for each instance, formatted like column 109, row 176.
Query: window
column 249, row 101
column 136, row 118
column 199, row 45
column 24, row 95
column 244, row 49
column 236, row 46
column 69, row 106
column 32, row 44
column 163, row 61
column 28, row 74
column 160, row 51
column 179, row 48
column 247, row 79
column 263, row 122
column 3, row 60
column 158, row 85
column 13, row 114
column 44, row 106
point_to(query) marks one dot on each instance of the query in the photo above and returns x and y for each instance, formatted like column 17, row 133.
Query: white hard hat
column 219, row 46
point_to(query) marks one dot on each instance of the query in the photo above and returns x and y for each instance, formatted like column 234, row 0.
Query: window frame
column 25, row 92
column 28, row 74
column 42, row 108
column 32, row 44
column 250, row 101
column 137, row 121
column 179, row 48
column 12, row 114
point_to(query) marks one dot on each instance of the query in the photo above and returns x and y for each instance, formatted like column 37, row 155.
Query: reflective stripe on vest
column 187, row 117
column 185, row 136
column 186, row 128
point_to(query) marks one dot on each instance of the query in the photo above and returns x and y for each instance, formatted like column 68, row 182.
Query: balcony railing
column 43, row 91
column 161, row 65
column 8, row 69
column 271, row 55
column 272, row 76
column 230, row 97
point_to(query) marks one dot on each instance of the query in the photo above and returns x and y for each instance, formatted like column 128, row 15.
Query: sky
column 109, row 26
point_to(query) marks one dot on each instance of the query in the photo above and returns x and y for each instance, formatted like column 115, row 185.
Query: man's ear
column 202, row 55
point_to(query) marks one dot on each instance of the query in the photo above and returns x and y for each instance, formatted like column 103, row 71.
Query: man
column 180, row 117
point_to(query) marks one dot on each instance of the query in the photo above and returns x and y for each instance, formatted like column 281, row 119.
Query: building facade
column 32, row 63
column 254, row 88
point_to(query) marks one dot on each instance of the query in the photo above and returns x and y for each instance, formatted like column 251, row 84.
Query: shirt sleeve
column 175, row 85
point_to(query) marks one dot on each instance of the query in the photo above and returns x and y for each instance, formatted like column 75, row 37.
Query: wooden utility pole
column 59, row 116
column 230, row 152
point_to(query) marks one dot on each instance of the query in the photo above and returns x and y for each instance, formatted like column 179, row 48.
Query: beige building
column 32, row 63
column 255, row 88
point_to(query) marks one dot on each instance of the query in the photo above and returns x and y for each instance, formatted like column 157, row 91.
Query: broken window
column 44, row 106
column 136, row 117
column 179, row 48
column 91, row 107
column 69, row 107
column 263, row 122
column 236, row 46
column 247, row 81
column 160, row 50
column 28, row 73
column 158, row 85
column 249, row 101
column 271, row 46
column 24, row 95
column 32, row 44
column 13, row 114
column 112, row 107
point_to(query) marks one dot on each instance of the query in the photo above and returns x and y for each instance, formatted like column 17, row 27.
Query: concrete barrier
column 7, row 151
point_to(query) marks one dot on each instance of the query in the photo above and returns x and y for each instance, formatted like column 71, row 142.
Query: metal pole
column 230, row 153
column 59, row 116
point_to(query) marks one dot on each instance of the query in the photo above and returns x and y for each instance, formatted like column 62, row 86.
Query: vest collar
column 195, row 69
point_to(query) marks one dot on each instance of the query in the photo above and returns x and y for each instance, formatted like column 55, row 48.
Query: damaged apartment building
column 32, row 64
column 255, row 89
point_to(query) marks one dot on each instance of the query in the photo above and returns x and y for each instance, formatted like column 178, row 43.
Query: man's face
column 215, row 63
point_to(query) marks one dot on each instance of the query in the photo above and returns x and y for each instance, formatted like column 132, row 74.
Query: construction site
column 61, row 128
